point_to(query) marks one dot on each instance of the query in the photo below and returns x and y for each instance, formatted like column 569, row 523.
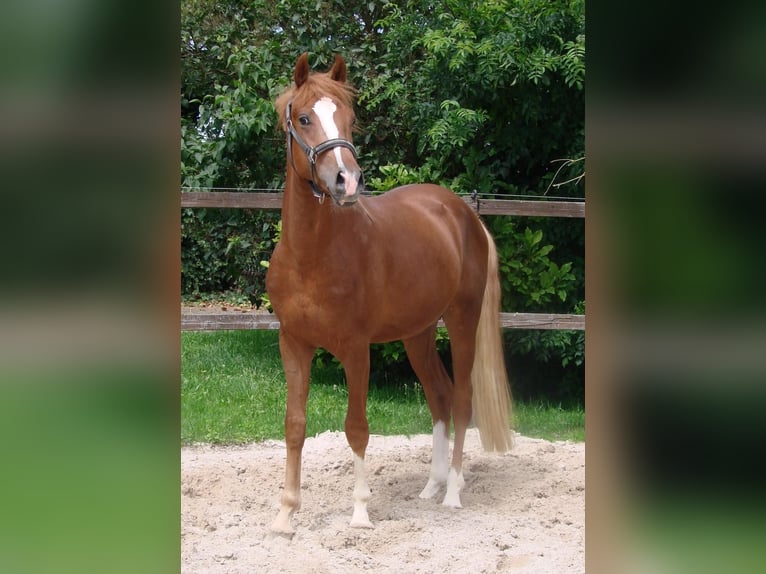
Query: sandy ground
column 522, row 511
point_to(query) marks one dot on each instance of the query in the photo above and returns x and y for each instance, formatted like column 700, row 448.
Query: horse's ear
column 301, row 70
column 338, row 70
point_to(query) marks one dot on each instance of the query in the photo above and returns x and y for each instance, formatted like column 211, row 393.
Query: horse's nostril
column 341, row 179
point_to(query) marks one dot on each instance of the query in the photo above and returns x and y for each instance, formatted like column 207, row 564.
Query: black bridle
column 312, row 153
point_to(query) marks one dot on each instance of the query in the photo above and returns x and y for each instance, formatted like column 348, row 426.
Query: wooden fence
column 196, row 320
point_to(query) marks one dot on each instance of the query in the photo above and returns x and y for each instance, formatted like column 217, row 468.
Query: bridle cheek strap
column 312, row 153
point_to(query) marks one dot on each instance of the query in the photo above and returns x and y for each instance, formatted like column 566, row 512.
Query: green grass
column 549, row 422
column 233, row 390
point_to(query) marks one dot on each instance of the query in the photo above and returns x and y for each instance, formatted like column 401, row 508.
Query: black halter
column 312, row 153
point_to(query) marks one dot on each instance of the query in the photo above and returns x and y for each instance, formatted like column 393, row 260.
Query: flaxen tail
column 492, row 406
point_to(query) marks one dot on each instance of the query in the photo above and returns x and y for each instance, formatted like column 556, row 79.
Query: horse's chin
column 346, row 200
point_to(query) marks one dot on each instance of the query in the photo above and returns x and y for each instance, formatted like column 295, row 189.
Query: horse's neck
column 301, row 219
column 309, row 226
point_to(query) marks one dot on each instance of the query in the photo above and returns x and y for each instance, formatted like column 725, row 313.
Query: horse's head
column 318, row 115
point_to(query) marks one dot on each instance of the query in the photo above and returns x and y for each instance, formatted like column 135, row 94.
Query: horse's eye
column 304, row 120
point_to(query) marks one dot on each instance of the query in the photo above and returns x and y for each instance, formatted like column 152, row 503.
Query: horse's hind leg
column 461, row 324
column 428, row 366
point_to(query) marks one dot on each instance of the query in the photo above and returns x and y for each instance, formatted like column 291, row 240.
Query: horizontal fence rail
column 196, row 320
column 192, row 320
column 232, row 199
column 273, row 201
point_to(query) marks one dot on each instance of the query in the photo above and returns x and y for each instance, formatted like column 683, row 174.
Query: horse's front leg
column 357, row 367
column 296, row 360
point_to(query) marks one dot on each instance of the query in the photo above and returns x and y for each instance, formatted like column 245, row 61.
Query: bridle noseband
column 312, row 153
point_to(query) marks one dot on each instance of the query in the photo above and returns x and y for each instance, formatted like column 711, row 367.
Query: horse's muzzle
column 349, row 185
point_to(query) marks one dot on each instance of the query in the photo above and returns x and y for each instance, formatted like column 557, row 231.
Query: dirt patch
column 213, row 308
column 522, row 511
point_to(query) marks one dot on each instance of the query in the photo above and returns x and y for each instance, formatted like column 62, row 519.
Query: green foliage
column 530, row 280
column 558, row 358
column 488, row 92
column 455, row 128
column 398, row 174
column 222, row 249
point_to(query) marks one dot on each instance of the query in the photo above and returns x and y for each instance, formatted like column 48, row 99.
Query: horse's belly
column 409, row 314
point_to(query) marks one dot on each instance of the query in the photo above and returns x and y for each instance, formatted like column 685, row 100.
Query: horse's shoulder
column 283, row 268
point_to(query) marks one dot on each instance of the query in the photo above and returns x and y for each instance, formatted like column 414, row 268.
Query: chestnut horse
column 358, row 270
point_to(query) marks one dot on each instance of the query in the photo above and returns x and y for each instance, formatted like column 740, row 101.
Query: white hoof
column 361, row 523
column 360, row 518
column 452, row 501
column 455, row 482
column 431, row 488
column 282, row 524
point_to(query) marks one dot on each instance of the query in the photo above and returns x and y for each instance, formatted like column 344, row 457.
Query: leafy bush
column 222, row 250
column 530, row 280
column 558, row 359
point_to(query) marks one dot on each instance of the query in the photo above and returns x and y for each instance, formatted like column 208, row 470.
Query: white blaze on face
column 325, row 108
